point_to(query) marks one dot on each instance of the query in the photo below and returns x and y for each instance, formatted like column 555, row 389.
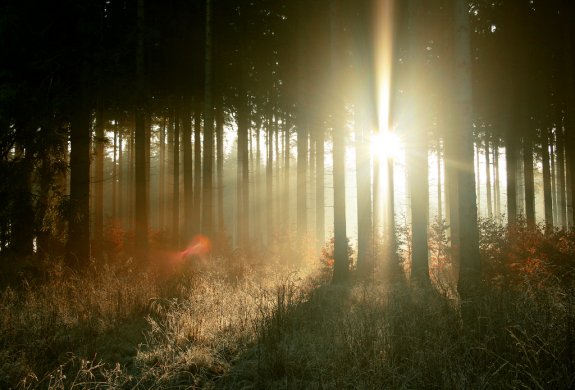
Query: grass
column 237, row 326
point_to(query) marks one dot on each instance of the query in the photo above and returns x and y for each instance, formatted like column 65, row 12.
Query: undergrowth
column 228, row 324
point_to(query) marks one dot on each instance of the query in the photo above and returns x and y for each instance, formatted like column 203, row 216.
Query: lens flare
column 200, row 246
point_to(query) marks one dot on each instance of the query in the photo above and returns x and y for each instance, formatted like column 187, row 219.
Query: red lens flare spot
column 200, row 246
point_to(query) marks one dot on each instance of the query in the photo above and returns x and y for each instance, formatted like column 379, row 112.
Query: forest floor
column 241, row 326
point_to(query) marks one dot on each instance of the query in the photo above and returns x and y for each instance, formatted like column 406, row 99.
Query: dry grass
column 230, row 325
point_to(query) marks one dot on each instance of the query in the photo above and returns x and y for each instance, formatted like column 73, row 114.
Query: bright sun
column 385, row 145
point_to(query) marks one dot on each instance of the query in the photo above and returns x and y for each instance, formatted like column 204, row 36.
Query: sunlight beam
column 384, row 59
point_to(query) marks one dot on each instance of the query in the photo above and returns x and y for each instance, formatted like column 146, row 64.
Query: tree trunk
column 439, row 184
column 162, row 174
column 488, row 176
column 269, row 176
column 546, row 180
column 553, row 174
column 141, row 198
column 376, row 198
column 176, row 183
column 115, row 173
column 469, row 277
column 98, row 207
column 220, row 164
column 562, row 201
column 78, row 245
column 340, row 255
column 320, row 185
column 497, row 184
column 188, row 169
column 121, row 175
column 286, row 172
column 197, row 165
column 243, row 206
column 169, row 210
column 528, row 180
column 130, row 183
column 511, row 172
column 278, row 205
column 208, row 212
column 363, row 182
column 302, row 149
column 22, row 221
column 417, row 149
column 478, row 177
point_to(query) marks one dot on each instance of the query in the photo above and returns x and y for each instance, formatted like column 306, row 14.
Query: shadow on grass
column 368, row 336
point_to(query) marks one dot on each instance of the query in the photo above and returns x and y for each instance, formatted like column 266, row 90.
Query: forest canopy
column 131, row 126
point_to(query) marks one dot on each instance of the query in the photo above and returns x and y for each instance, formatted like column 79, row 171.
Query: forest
column 287, row 194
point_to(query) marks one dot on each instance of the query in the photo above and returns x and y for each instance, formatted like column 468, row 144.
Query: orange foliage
column 517, row 254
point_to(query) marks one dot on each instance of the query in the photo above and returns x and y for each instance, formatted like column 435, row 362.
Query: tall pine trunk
column 320, row 185
column 363, row 183
column 78, row 245
column 488, row 188
column 302, row 149
column 208, row 209
column 141, row 195
column 197, row 164
column 511, row 169
column 176, row 182
column 562, row 201
column 340, row 255
column 469, row 277
column 98, row 206
column 528, row 180
column 497, row 179
column 220, row 163
column 553, row 174
column 162, row 174
column 417, row 160
column 269, row 176
column 546, row 179
column 243, row 207
column 188, row 169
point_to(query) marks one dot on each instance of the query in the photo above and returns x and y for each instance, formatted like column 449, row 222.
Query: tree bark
column 488, row 188
column 363, row 184
column 220, row 164
column 162, row 174
column 496, row 174
column 546, row 180
column 197, row 165
column 302, row 149
column 511, row 173
column 208, row 211
column 78, row 245
column 176, row 182
column 469, row 277
column 553, row 174
column 243, row 206
column 188, row 169
column 22, row 221
column 528, row 180
column 270, row 222
column 417, row 149
column 562, row 201
column 141, row 196
column 98, row 207
column 320, row 185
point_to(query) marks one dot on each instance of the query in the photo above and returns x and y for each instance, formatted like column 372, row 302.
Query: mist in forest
column 229, row 193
